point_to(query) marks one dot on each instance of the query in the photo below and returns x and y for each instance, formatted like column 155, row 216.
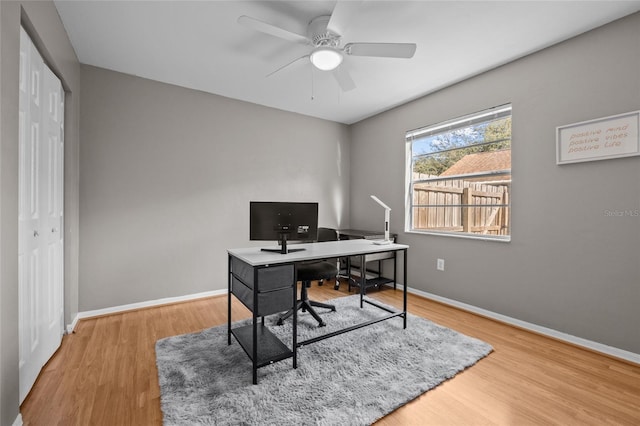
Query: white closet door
column 53, row 214
column 40, row 247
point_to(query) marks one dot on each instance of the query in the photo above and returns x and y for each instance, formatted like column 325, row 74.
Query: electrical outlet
column 440, row 265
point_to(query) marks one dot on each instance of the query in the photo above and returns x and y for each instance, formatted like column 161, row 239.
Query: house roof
column 480, row 162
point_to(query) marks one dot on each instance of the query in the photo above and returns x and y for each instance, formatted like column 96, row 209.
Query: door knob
column 36, row 233
column 54, row 230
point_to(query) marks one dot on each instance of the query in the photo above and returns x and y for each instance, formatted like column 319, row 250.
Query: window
column 459, row 176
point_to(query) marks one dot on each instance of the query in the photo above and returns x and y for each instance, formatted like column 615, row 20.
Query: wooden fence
column 462, row 206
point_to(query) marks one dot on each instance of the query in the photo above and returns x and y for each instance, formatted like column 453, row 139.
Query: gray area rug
column 350, row 379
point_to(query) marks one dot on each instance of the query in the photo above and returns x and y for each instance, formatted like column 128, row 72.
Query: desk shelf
column 271, row 348
column 370, row 282
column 355, row 262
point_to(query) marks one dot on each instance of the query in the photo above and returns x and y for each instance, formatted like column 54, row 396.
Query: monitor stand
column 283, row 249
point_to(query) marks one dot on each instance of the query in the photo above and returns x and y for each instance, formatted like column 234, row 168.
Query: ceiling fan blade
column 264, row 27
column 342, row 15
column 344, row 79
column 286, row 65
column 384, row 50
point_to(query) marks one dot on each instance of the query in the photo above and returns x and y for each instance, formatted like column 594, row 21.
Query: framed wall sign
column 600, row 139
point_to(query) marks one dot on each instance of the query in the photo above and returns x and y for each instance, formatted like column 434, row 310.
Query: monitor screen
column 282, row 222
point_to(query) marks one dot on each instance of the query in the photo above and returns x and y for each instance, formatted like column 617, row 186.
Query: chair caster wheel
column 279, row 322
column 322, row 324
column 336, row 287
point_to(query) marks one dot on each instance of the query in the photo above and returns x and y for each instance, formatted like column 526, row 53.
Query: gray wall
column 43, row 24
column 568, row 267
column 167, row 176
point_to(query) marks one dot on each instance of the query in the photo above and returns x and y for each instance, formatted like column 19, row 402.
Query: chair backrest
column 327, row 234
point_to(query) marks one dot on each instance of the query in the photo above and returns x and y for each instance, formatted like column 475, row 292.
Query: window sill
column 496, row 238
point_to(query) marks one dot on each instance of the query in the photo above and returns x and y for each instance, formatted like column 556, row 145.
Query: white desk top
column 255, row 257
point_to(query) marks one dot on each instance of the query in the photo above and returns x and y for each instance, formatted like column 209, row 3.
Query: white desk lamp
column 387, row 214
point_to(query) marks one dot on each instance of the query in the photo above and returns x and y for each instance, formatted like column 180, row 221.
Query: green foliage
column 499, row 131
column 450, row 147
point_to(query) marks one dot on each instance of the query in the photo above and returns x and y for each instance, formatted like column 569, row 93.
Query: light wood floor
column 105, row 373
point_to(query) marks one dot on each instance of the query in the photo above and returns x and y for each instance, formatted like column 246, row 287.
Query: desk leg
column 254, row 346
column 229, row 304
column 295, row 321
column 404, row 301
column 348, row 274
column 363, row 280
column 395, row 269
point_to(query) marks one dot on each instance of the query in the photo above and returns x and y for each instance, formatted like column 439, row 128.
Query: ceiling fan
column 324, row 35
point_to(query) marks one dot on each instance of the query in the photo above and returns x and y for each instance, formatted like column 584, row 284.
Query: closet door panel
column 40, row 245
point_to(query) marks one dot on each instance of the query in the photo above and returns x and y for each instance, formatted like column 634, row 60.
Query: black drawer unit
column 264, row 290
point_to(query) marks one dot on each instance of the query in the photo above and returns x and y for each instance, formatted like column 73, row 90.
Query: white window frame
column 438, row 128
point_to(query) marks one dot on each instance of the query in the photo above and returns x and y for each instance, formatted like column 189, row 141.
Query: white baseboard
column 589, row 344
column 140, row 305
column 579, row 341
column 17, row 421
column 72, row 326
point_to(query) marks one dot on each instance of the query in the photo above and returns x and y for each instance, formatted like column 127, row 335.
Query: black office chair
column 328, row 234
column 315, row 270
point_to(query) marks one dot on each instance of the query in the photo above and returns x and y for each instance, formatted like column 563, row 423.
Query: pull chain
column 312, row 85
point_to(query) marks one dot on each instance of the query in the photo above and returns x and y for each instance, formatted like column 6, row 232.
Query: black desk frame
column 392, row 313
column 250, row 343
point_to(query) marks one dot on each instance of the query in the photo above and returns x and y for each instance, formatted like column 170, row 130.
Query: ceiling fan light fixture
column 326, row 58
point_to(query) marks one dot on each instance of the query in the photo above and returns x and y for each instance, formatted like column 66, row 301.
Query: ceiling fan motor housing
column 320, row 35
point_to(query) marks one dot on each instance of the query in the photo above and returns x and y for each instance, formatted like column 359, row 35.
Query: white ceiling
column 199, row 45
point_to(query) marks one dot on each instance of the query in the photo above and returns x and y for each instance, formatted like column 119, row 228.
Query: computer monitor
column 282, row 222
